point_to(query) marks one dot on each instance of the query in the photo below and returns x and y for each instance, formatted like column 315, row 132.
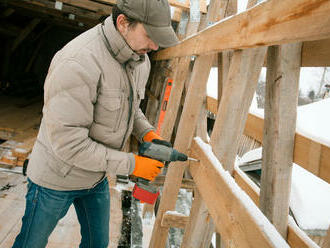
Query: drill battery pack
column 145, row 193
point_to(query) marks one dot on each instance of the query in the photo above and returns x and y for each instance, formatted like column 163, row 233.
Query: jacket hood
column 119, row 48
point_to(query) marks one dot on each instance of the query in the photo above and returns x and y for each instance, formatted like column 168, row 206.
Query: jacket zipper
column 131, row 96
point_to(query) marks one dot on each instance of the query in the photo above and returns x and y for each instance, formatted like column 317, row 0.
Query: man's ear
column 122, row 23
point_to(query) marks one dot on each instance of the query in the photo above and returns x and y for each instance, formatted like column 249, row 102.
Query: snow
column 212, row 83
column 268, row 229
column 311, row 210
column 310, row 242
column 313, row 121
column 21, row 150
column 251, row 155
column 176, row 213
column 310, row 200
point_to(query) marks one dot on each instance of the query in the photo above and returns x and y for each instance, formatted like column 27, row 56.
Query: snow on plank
column 237, row 218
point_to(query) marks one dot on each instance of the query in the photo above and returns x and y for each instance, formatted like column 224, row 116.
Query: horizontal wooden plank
column 171, row 220
column 273, row 23
column 186, row 5
column 239, row 222
column 296, row 237
column 174, row 3
column 316, row 53
column 185, row 184
column 308, row 153
column 48, row 13
column 102, row 9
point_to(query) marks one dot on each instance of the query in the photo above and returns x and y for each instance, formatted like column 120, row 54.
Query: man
column 91, row 106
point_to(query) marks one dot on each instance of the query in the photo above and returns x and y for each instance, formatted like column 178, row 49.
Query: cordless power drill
column 142, row 190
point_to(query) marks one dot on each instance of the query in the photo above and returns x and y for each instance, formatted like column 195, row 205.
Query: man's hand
column 155, row 138
column 146, row 168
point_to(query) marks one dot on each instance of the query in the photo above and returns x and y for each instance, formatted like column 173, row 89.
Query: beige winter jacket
column 91, row 106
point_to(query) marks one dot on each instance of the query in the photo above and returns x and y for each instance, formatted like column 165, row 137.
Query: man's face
column 136, row 36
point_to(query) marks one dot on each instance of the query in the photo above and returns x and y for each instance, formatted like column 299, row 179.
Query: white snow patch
column 252, row 155
column 176, row 213
column 310, row 200
column 309, row 241
column 313, row 121
column 124, row 186
column 20, row 150
column 212, row 83
column 269, row 230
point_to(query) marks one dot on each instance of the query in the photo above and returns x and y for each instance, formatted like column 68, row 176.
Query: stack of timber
column 19, row 124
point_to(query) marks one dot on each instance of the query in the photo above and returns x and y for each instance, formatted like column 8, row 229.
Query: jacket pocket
column 59, row 167
column 108, row 109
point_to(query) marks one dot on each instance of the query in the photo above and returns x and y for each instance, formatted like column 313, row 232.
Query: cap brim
column 162, row 36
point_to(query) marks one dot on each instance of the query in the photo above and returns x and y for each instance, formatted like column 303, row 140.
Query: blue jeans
column 45, row 207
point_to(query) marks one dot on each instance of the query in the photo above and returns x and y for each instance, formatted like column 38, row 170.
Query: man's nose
column 153, row 45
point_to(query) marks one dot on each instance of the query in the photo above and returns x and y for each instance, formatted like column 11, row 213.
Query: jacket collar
column 119, row 49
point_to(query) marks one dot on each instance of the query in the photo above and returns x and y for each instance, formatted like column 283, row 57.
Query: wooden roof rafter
column 81, row 19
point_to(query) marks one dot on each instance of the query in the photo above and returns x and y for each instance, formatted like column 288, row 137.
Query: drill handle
column 142, row 180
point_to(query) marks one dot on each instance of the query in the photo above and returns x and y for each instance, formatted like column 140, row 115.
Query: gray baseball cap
column 155, row 16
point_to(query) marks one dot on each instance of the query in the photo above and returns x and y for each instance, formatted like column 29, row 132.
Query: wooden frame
column 273, row 23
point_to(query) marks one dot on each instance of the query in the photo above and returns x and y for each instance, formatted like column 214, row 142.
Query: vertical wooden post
column 326, row 243
column 201, row 220
column 235, row 102
column 283, row 67
column 224, row 58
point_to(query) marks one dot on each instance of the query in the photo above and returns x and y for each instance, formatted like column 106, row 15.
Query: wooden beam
column 200, row 227
column 185, row 184
column 172, row 220
column 6, row 13
column 48, row 13
column 237, row 96
column 304, row 148
column 297, row 238
column 238, row 220
column 25, row 32
column 273, row 23
column 186, row 5
column 316, row 53
column 283, row 67
column 326, row 242
column 99, row 8
column 9, row 29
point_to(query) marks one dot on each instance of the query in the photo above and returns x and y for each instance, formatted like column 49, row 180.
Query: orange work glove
column 146, row 168
column 151, row 135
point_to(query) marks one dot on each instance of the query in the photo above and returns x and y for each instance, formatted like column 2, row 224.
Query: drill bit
column 193, row 159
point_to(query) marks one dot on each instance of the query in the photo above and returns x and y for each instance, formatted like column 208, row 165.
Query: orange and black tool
column 164, row 104
column 142, row 190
